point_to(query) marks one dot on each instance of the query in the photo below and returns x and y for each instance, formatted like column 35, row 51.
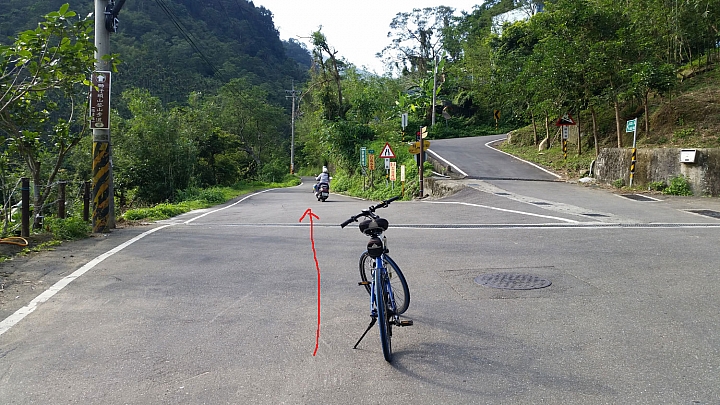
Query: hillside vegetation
column 200, row 90
column 689, row 117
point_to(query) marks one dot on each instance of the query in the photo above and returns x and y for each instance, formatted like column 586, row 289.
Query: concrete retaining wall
column 661, row 165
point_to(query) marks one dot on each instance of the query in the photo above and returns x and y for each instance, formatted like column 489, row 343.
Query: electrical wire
column 185, row 33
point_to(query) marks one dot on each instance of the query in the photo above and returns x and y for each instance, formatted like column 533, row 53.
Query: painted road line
column 522, row 160
column 571, row 221
column 21, row 313
column 445, row 161
column 226, row 207
column 555, row 206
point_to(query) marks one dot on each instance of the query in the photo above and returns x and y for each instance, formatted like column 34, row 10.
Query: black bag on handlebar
column 371, row 226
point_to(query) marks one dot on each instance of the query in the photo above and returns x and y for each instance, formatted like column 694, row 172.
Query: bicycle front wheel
column 401, row 292
column 383, row 320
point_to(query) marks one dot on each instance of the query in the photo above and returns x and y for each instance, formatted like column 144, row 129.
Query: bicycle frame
column 385, row 284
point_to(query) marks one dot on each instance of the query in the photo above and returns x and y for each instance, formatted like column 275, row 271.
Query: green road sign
column 630, row 126
column 363, row 156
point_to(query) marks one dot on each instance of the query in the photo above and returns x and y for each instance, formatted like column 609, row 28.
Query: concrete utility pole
column 435, row 63
column 103, row 207
column 103, row 219
column 292, row 94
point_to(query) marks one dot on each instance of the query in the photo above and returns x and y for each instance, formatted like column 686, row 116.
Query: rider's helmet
column 325, row 169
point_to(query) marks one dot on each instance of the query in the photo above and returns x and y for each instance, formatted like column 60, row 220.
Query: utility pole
column 293, row 95
column 435, row 63
column 102, row 167
column 103, row 218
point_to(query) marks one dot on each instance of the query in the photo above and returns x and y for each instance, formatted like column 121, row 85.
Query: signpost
column 363, row 156
column 423, row 134
column 565, row 121
column 631, row 126
column 393, row 174
column 496, row 115
column 371, row 166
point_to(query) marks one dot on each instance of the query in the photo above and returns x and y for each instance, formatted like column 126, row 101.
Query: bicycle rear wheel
column 381, row 297
column 401, row 292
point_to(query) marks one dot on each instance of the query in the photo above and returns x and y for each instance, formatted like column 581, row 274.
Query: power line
column 185, row 33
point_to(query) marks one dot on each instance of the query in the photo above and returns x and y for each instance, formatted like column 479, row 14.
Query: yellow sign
column 496, row 114
column 371, row 161
column 393, row 171
column 414, row 149
column 423, row 132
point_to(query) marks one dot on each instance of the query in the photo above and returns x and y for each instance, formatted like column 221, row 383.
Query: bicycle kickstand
column 372, row 323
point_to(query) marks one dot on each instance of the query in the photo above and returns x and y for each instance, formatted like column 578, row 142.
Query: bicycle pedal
column 406, row 323
column 364, row 283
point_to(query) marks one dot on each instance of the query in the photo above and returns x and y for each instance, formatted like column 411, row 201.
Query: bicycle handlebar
column 369, row 212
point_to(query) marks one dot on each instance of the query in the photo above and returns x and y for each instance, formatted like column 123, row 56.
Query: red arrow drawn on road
column 309, row 213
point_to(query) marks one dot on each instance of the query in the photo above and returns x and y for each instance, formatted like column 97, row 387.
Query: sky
column 356, row 29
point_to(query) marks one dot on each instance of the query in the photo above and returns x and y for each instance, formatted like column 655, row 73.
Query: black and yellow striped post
column 101, row 186
column 564, row 146
column 633, row 159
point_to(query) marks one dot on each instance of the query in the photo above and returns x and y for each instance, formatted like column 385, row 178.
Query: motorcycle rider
column 323, row 177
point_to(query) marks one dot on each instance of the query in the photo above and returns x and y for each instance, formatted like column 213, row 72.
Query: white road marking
column 224, row 208
column 21, row 313
column 522, row 160
column 450, row 164
column 571, row 221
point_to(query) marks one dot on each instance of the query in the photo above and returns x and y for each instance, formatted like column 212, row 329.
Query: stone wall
column 661, row 165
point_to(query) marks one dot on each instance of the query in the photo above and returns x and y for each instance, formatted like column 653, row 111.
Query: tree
column 151, row 155
column 417, row 39
column 329, row 69
column 255, row 125
column 43, row 85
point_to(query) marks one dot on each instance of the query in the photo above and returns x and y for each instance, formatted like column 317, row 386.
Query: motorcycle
column 323, row 192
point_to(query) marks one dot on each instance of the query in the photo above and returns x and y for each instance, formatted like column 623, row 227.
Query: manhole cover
column 539, row 203
column 512, row 281
column 707, row 213
column 638, row 197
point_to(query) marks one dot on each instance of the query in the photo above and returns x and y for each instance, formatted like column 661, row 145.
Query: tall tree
column 43, row 85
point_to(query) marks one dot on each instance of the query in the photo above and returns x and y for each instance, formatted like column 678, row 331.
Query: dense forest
column 198, row 97
column 200, row 89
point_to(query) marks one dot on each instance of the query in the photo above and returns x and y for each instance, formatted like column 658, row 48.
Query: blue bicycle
column 381, row 276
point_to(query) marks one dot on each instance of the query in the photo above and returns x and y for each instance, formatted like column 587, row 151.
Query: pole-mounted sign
column 631, row 126
column 387, row 152
column 100, row 100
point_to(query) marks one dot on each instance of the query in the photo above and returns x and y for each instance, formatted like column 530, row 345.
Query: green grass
column 193, row 199
column 553, row 158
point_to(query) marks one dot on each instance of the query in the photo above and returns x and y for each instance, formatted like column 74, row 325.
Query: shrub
column 67, row 229
column 678, row 186
column 619, row 183
column 657, row 186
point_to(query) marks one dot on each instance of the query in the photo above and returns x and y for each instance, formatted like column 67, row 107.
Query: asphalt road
column 476, row 159
column 220, row 306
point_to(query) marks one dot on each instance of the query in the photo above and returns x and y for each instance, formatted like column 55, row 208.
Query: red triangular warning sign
column 565, row 120
column 387, row 152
